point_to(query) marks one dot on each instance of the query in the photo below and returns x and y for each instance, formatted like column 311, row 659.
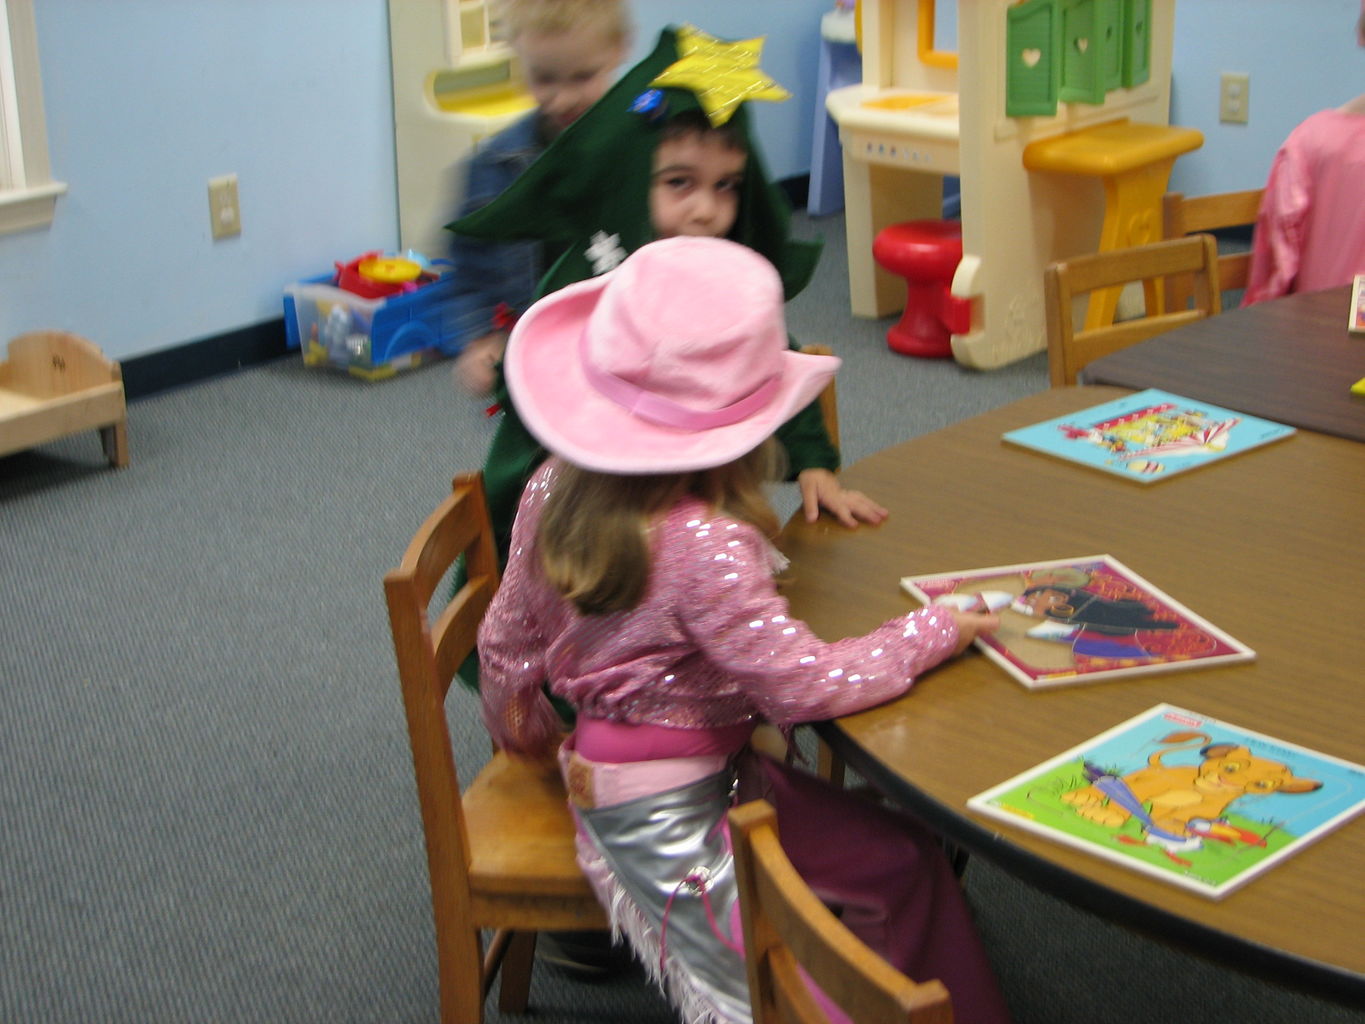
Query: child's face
column 567, row 72
column 694, row 188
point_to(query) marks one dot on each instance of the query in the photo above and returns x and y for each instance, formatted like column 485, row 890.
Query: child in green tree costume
column 601, row 191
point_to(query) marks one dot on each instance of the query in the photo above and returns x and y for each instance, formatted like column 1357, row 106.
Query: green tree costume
column 587, row 198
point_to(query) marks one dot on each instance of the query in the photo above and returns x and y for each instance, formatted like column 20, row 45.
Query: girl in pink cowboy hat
column 640, row 585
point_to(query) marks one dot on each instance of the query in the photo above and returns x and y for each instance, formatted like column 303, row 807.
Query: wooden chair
column 787, row 929
column 1181, row 216
column 501, row 857
column 829, row 399
column 1195, row 257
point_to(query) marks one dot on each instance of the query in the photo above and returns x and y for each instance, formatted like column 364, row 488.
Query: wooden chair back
column 501, row 856
column 829, row 399
column 1195, row 258
column 788, row 930
column 1182, row 215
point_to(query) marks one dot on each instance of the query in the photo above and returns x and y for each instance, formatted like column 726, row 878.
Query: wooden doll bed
column 54, row 384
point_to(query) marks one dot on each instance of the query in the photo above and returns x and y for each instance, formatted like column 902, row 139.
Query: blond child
column 640, row 586
column 569, row 51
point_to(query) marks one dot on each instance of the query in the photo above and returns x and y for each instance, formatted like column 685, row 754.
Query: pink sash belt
column 598, row 784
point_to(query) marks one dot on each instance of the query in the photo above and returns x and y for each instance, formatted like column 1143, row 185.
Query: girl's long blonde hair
column 594, row 534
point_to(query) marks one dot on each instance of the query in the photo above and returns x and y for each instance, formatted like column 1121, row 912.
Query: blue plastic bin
column 369, row 338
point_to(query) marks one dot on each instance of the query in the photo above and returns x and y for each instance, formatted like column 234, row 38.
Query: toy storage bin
column 369, row 338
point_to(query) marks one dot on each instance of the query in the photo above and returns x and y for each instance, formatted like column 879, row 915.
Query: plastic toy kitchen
column 1053, row 113
column 454, row 82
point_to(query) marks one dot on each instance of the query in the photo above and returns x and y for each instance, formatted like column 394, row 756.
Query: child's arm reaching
column 790, row 674
column 971, row 625
column 476, row 365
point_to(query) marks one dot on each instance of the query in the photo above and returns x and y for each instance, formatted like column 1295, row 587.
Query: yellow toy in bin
column 390, row 269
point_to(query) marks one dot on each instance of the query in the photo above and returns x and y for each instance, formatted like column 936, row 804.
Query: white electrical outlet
column 1234, row 97
column 225, row 215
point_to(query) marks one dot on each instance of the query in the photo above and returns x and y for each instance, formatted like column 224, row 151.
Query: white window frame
column 28, row 195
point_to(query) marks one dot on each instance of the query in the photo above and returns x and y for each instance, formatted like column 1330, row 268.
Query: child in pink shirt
column 1310, row 233
column 640, row 585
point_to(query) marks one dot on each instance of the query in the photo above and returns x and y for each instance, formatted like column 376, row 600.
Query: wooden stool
column 926, row 253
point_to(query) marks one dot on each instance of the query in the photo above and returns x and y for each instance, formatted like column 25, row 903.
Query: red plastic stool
column 926, row 253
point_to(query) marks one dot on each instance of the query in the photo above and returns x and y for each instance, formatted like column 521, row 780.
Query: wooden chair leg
column 515, row 990
column 831, row 765
column 114, row 440
column 461, row 976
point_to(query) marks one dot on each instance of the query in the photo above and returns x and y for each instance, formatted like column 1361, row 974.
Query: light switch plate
column 224, row 214
column 1234, row 97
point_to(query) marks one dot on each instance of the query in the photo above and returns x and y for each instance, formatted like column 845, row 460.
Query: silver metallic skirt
column 662, row 865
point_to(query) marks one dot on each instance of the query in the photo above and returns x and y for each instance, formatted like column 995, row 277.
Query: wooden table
column 1268, row 546
column 1290, row 359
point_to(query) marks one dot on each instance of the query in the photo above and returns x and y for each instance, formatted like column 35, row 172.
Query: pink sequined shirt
column 710, row 645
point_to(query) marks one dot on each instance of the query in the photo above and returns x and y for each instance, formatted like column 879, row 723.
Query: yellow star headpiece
column 722, row 75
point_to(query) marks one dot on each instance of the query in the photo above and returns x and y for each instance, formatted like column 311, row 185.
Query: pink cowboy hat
column 677, row 360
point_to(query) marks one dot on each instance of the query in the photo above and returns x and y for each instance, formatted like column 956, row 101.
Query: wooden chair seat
column 521, row 837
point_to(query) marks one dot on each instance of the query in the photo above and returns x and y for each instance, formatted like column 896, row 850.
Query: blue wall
column 791, row 48
column 1302, row 57
column 148, row 99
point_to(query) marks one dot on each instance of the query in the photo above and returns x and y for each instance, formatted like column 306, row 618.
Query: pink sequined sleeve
column 789, row 673
column 513, row 639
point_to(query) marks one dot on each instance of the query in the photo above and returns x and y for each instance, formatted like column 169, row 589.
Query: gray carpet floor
column 206, row 800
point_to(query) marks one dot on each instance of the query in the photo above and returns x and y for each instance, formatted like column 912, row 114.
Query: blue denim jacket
column 487, row 274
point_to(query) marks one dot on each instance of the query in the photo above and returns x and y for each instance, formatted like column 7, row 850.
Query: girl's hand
column 820, row 488
column 476, row 363
column 970, row 625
